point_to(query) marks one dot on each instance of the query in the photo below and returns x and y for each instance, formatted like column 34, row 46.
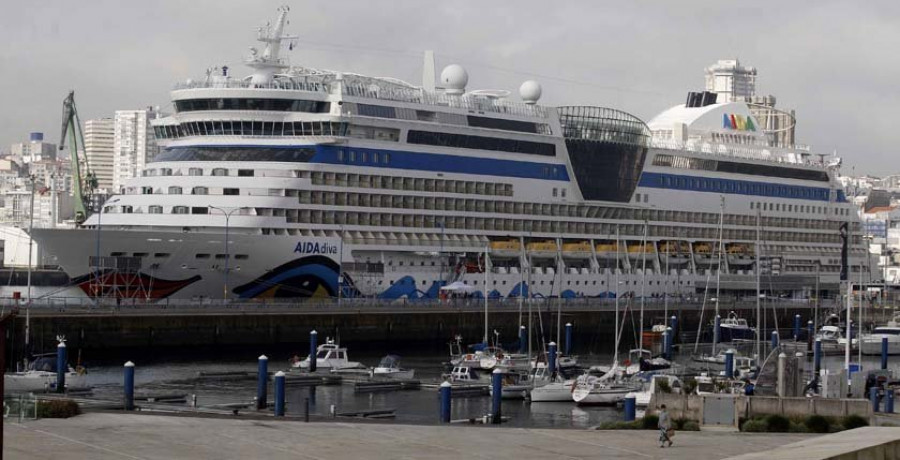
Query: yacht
column 296, row 182
column 734, row 328
column 389, row 367
column 606, row 389
column 871, row 343
column 643, row 397
column 40, row 376
column 330, row 356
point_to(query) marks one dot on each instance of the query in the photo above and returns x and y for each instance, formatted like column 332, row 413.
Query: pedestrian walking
column 665, row 427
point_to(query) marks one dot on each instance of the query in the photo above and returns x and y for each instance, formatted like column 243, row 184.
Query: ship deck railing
column 753, row 152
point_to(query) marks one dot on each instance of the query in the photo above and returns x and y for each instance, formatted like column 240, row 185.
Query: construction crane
column 83, row 186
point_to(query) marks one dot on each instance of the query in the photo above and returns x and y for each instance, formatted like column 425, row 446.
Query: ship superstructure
column 404, row 189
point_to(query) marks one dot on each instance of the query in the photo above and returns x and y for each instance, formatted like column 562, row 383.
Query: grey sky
column 834, row 62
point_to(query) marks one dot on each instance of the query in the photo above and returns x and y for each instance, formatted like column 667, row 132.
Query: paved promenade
column 133, row 436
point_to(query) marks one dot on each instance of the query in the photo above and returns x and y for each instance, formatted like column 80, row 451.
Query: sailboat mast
column 848, row 239
column 559, row 268
column 758, row 307
column 616, row 351
column 718, row 272
column 487, row 265
column 643, row 284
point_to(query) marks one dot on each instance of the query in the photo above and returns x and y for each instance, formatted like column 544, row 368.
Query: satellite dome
column 454, row 78
column 530, row 92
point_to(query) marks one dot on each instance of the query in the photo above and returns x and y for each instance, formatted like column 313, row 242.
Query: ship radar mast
column 268, row 62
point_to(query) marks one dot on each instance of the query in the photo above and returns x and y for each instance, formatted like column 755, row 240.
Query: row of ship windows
column 543, row 209
column 802, row 208
column 407, row 183
column 705, row 164
column 152, row 172
column 742, row 187
column 166, row 255
column 250, row 128
column 551, row 282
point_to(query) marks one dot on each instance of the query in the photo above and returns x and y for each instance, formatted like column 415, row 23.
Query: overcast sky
column 835, row 62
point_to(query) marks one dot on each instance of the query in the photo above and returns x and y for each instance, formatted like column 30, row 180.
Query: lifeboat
column 704, row 254
column 639, row 251
column 506, row 248
column 673, row 252
column 739, row 254
column 606, row 250
column 577, row 250
column 542, row 249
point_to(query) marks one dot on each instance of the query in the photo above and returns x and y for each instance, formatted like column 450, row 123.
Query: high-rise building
column 133, row 145
column 731, row 81
column 33, row 150
column 99, row 148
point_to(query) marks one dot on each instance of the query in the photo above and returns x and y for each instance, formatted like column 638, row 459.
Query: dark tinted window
column 499, row 123
column 275, row 105
column 606, row 171
column 368, row 110
column 480, row 142
column 290, row 155
column 683, row 162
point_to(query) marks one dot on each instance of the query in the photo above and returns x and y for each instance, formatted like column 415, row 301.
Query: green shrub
column 778, row 423
column 58, row 408
column 798, row 427
column 650, row 422
column 854, row 421
column 689, row 386
column 690, row 425
column 817, row 424
column 662, row 386
column 755, row 426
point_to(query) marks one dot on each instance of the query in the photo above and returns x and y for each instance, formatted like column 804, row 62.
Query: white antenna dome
column 454, row 78
column 530, row 92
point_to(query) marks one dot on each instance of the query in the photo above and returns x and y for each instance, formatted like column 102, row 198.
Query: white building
column 99, row 148
column 134, row 144
column 33, row 150
column 731, row 81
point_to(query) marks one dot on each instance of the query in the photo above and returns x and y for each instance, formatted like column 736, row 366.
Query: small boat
column 465, row 374
column 871, row 343
column 549, row 388
column 515, row 385
column 735, row 328
column 606, row 389
column 41, row 377
column 642, row 398
column 389, row 367
column 329, row 356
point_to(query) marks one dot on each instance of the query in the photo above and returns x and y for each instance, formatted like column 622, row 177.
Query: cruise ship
column 293, row 182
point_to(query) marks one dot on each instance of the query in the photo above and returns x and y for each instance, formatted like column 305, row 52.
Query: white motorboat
column 871, row 343
column 515, row 385
column 466, row 374
column 549, row 388
column 389, row 367
column 329, row 356
column 642, row 398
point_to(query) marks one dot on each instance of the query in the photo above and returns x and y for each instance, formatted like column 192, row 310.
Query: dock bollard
column 884, row 353
column 523, row 339
column 889, row 400
column 673, row 323
column 796, row 328
column 630, row 407
column 729, row 364
column 780, row 376
column 774, row 339
column 669, row 338
column 262, row 382
column 665, row 339
column 551, row 358
column 817, row 355
column 497, row 392
column 568, row 349
column 306, row 410
column 313, row 345
column 810, row 335
column 279, row 394
column 129, row 386
column 61, row 367
column 446, row 394
column 873, row 398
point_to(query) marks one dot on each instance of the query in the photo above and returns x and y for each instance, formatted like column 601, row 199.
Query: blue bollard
column 665, row 338
column 729, row 364
column 62, row 365
column 279, row 394
column 630, row 407
column 873, row 398
column 673, row 323
column 446, row 395
column 568, row 339
column 889, row 400
column 313, row 345
column 796, row 328
column 774, row 339
column 551, row 358
column 817, row 356
column 717, row 330
column 496, row 395
column 669, row 343
column 129, row 386
column 523, row 339
column 884, row 353
column 262, row 382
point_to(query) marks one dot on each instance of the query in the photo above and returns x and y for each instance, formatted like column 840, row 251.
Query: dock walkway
column 137, row 436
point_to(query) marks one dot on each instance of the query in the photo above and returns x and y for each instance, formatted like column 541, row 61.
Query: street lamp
column 97, row 262
column 227, row 215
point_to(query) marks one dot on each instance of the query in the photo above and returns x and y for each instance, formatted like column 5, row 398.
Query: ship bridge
column 607, row 148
